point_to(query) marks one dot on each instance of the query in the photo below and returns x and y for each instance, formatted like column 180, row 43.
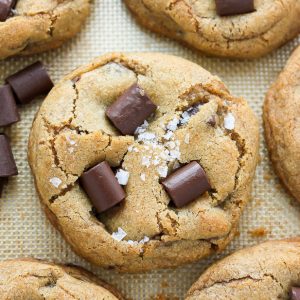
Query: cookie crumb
column 122, row 176
column 258, row 232
column 55, row 181
column 119, row 235
column 229, row 121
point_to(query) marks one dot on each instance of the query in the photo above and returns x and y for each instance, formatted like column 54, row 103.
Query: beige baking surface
column 24, row 230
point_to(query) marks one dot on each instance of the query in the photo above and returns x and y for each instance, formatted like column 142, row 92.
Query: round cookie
column 264, row 272
column 197, row 24
column 70, row 134
column 282, row 124
column 30, row 279
column 38, row 26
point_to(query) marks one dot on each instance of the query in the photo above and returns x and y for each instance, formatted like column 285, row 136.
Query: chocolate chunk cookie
column 282, row 124
column 30, row 279
column 265, row 272
column 29, row 26
column 121, row 200
column 230, row 28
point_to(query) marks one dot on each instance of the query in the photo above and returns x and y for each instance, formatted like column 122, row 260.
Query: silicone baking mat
column 24, row 229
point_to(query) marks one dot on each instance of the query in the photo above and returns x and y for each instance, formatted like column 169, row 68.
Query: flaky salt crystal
column 229, row 121
column 55, row 181
column 119, row 235
column 122, row 176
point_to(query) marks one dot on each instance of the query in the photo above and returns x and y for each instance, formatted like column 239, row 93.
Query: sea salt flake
column 175, row 154
column 229, row 121
column 122, row 176
column 185, row 117
column 162, row 171
column 119, row 235
column 187, row 138
column 55, row 181
column 130, row 148
column 143, row 177
column 146, row 136
column 71, row 142
column 146, row 161
column 132, row 243
column 142, row 128
column 168, row 135
column 172, row 125
column 144, row 240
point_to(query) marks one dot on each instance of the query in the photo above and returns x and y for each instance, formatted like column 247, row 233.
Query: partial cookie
column 264, row 272
column 197, row 127
column 35, row 280
column 233, row 28
column 37, row 26
column 282, row 124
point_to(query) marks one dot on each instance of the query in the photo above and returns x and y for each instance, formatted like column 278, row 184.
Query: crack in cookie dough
column 197, row 24
column 157, row 234
column 41, row 26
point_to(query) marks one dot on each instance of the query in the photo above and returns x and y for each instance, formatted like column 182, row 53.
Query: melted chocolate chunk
column 295, row 293
column 7, row 163
column 30, row 82
column 234, row 7
column 6, row 7
column 130, row 110
column 8, row 109
column 186, row 184
column 102, row 187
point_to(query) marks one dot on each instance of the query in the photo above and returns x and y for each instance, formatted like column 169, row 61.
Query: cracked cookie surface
column 71, row 134
column 30, row 279
column 282, row 124
column 197, row 24
column 38, row 26
column 263, row 272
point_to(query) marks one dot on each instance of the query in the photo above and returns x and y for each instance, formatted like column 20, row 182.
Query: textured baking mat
column 24, row 229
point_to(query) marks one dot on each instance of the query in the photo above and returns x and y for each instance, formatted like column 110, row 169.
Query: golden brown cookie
column 197, row 119
column 37, row 26
column 282, row 124
column 30, row 279
column 197, row 24
column 264, row 272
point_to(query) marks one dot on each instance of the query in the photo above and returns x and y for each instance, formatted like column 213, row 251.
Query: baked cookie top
column 267, row 271
column 36, row 26
column 196, row 120
column 282, row 124
column 267, row 25
column 35, row 280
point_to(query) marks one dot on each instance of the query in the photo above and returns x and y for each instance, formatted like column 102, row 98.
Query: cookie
column 282, row 124
column 37, row 26
column 230, row 28
column 144, row 219
column 264, row 272
column 35, row 279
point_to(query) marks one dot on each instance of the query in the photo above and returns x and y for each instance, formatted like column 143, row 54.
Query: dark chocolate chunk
column 234, row 7
column 130, row 110
column 7, row 163
column 3, row 181
column 5, row 8
column 186, row 184
column 102, row 187
column 295, row 293
column 30, row 82
column 8, row 108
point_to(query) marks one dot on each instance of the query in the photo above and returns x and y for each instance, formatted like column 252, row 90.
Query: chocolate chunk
column 186, row 184
column 234, row 7
column 8, row 108
column 5, row 8
column 3, row 181
column 295, row 293
column 30, row 82
column 102, row 187
column 7, row 163
column 130, row 110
